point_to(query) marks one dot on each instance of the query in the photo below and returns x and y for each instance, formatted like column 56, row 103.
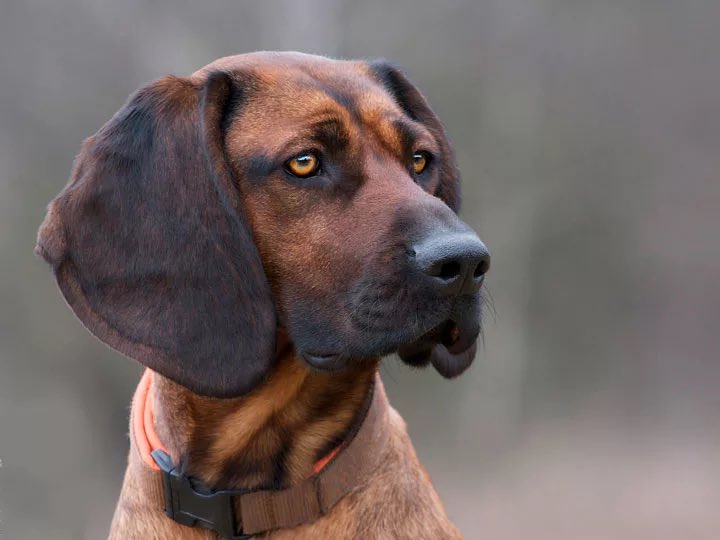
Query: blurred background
column 588, row 134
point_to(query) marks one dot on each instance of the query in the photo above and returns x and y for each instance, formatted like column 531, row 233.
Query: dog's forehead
column 291, row 91
column 299, row 81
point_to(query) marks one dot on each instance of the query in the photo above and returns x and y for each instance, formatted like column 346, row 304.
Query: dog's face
column 340, row 183
column 270, row 189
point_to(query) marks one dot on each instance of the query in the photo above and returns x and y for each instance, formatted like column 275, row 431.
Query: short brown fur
column 229, row 279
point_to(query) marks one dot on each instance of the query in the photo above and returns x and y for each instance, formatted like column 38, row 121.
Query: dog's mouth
column 450, row 347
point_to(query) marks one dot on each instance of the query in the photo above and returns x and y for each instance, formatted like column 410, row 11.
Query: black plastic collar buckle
column 212, row 510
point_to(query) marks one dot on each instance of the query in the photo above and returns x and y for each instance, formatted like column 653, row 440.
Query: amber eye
column 303, row 165
column 420, row 161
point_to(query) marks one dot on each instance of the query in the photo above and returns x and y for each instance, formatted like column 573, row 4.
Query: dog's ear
column 150, row 246
column 414, row 104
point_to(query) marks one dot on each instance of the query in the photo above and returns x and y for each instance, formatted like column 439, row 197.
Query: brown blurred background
column 588, row 133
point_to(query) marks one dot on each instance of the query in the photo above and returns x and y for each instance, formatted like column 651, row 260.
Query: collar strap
column 240, row 514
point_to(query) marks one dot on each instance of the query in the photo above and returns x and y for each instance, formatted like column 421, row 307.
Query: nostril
column 449, row 270
column 482, row 268
column 452, row 264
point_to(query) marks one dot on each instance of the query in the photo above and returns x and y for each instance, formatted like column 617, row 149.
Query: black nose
column 454, row 262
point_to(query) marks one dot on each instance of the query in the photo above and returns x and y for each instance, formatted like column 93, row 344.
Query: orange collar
column 147, row 439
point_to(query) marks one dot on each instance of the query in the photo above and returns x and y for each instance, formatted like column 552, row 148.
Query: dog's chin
column 448, row 347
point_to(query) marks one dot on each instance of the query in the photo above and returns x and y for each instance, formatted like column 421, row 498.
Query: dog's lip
column 448, row 364
column 323, row 361
column 440, row 346
column 457, row 341
column 448, row 333
column 451, row 336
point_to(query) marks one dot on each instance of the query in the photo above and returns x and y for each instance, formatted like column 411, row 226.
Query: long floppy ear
column 416, row 107
column 149, row 243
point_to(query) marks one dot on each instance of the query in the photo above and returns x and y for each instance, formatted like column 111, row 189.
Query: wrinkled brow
column 407, row 135
column 331, row 133
column 402, row 137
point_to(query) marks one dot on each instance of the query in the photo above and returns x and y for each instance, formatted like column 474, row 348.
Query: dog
column 258, row 235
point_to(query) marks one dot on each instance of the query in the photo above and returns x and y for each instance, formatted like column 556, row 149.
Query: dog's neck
column 271, row 438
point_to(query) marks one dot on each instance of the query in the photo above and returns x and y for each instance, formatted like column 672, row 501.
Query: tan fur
column 398, row 501
column 312, row 245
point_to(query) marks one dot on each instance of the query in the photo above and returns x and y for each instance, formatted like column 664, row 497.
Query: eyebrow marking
column 407, row 135
column 341, row 98
column 331, row 133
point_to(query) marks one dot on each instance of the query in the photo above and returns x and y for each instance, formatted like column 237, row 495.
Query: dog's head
column 266, row 190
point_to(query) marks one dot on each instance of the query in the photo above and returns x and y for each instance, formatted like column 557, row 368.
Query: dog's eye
column 303, row 165
column 420, row 161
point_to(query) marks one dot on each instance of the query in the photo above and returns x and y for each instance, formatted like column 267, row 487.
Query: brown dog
column 258, row 235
